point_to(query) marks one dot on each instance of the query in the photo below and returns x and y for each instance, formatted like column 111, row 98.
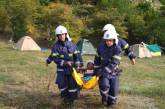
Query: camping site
column 82, row 54
column 26, row 83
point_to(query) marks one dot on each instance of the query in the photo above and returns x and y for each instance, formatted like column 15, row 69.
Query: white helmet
column 109, row 27
column 62, row 30
column 110, row 35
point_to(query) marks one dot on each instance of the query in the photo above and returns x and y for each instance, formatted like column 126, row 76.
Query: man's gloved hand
column 47, row 62
column 68, row 63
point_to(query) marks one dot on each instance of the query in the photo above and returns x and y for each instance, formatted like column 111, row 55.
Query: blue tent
column 154, row 49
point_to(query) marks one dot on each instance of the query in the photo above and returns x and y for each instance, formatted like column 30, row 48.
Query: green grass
column 5, row 78
column 26, row 83
column 146, row 78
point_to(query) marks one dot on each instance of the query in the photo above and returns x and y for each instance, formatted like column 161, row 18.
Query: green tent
column 154, row 49
column 86, row 47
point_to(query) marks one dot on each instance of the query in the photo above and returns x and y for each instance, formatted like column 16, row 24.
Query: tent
column 86, row 47
column 140, row 50
column 154, row 49
column 26, row 43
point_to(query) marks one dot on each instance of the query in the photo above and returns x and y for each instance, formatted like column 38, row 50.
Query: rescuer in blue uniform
column 121, row 43
column 106, row 67
column 66, row 55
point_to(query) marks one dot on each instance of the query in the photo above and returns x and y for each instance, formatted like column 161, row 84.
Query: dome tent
column 86, row 47
column 140, row 50
column 26, row 43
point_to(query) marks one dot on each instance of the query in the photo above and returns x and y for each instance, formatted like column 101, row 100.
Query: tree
column 136, row 28
column 59, row 14
column 102, row 17
column 20, row 16
column 4, row 18
column 157, row 30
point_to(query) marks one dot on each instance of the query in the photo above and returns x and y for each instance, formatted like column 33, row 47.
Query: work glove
column 47, row 62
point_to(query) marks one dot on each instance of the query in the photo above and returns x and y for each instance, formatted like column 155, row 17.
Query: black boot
column 111, row 104
column 71, row 104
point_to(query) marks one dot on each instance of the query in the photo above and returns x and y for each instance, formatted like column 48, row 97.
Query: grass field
column 26, row 83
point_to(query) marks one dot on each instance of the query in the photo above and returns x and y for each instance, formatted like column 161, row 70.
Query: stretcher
column 87, row 84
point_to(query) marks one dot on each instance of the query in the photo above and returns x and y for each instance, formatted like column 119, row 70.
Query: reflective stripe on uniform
column 104, row 92
column 72, row 90
column 126, row 46
column 70, row 54
column 112, row 97
column 131, row 53
column 108, row 70
column 62, row 63
column 60, row 70
column 63, row 89
column 61, row 56
column 76, row 51
column 117, row 57
column 55, row 54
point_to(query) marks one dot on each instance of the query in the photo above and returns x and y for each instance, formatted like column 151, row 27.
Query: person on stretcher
column 85, row 77
column 88, row 71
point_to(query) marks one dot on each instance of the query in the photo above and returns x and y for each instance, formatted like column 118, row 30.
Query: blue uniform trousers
column 68, row 86
column 109, row 89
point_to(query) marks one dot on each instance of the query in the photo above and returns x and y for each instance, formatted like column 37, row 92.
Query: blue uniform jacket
column 124, row 46
column 107, row 58
column 62, row 52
